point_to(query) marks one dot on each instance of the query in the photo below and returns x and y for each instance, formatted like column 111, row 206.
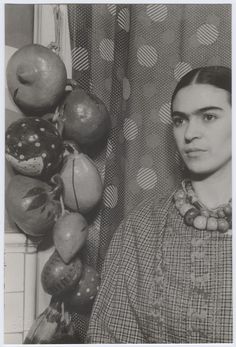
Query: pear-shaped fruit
column 36, row 78
column 57, row 277
column 69, row 235
column 82, row 183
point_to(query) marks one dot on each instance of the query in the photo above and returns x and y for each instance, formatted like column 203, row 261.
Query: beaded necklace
column 199, row 216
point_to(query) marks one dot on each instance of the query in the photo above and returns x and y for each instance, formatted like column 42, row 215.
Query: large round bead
column 192, row 196
column 180, row 194
column 212, row 224
column 228, row 210
column 205, row 212
column 200, row 222
column 214, row 214
column 221, row 213
column 190, row 215
column 184, row 208
column 223, row 225
column 34, row 147
column 179, row 203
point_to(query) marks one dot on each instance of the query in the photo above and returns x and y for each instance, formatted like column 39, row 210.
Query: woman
column 167, row 274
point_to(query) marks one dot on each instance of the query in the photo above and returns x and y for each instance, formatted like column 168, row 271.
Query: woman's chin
column 199, row 172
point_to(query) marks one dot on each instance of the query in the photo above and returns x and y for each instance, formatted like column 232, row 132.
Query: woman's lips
column 194, row 152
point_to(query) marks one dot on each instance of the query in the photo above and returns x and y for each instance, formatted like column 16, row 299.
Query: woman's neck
column 214, row 190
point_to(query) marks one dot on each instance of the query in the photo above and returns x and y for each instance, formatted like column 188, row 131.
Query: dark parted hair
column 217, row 76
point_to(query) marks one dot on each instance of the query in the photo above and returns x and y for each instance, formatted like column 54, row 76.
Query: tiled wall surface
column 19, row 21
column 20, row 256
column 20, row 263
column 24, row 297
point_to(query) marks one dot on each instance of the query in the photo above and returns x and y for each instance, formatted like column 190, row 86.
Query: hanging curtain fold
column 131, row 57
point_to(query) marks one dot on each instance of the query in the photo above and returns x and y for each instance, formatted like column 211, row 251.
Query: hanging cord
column 55, row 46
column 63, row 211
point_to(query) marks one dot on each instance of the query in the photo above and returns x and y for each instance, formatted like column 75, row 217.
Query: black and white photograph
column 118, row 173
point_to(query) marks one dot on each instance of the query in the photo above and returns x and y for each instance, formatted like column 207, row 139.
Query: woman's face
column 201, row 116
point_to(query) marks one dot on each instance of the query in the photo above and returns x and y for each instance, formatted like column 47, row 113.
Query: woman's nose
column 192, row 130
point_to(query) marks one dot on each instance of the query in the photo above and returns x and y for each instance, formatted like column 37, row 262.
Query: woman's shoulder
column 152, row 208
column 140, row 231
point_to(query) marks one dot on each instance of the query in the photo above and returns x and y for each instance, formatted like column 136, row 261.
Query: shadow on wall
column 19, row 25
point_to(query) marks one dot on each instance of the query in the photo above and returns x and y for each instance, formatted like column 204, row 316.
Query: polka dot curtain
column 132, row 56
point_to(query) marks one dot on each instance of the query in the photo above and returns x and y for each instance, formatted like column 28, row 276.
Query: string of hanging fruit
column 55, row 184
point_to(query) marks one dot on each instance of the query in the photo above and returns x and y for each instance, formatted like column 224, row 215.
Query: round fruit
column 86, row 119
column 69, row 235
column 34, row 147
column 32, row 204
column 58, row 277
column 36, row 78
column 82, row 297
column 82, row 183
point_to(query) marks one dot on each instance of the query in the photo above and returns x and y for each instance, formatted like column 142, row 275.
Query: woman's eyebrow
column 178, row 114
column 208, row 108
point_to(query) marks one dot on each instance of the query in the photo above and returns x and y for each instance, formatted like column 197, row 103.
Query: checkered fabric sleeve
column 114, row 318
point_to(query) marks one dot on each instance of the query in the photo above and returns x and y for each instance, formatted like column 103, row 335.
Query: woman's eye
column 209, row 117
column 177, row 121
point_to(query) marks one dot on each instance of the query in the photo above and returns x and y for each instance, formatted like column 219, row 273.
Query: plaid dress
column 164, row 282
